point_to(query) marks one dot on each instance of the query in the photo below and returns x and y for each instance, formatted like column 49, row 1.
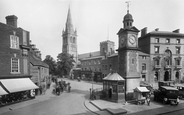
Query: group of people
column 61, row 86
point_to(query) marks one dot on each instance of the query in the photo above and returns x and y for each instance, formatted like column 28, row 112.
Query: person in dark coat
column 110, row 92
column 148, row 99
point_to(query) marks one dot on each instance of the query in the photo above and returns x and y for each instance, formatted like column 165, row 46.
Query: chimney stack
column 177, row 31
column 144, row 31
column 11, row 20
column 157, row 29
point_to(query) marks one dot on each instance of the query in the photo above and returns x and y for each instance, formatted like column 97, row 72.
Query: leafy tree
column 65, row 63
column 52, row 64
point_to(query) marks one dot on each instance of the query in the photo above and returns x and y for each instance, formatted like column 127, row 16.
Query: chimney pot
column 11, row 20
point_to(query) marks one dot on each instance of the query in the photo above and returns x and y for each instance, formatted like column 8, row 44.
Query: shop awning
column 2, row 91
column 19, row 84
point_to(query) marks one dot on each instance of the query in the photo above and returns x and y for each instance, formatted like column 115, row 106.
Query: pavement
column 112, row 108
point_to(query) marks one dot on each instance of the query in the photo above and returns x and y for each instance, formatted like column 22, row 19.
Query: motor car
column 180, row 88
column 167, row 94
column 166, row 83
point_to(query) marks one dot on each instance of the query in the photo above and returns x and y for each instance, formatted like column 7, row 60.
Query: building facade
column 14, row 53
column 38, row 69
column 166, row 50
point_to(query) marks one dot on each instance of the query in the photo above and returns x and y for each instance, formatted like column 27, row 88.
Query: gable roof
column 37, row 62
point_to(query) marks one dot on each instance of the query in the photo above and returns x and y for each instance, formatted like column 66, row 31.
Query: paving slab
column 111, row 107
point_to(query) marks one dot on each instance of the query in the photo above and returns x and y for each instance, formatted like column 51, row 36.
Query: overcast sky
column 95, row 20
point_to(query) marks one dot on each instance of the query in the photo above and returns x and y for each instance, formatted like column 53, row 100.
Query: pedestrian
column 148, row 99
column 69, row 88
column 40, row 90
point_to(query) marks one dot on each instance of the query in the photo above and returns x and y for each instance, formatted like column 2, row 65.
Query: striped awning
column 18, row 84
column 114, row 77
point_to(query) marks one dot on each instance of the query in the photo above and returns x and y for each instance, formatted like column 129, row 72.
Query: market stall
column 140, row 94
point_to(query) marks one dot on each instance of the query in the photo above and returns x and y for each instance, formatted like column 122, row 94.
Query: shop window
column 121, row 89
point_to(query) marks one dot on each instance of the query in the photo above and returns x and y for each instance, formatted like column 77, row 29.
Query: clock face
column 132, row 39
column 122, row 41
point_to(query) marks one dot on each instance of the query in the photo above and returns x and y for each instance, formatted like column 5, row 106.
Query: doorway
column 177, row 76
column 166, row 76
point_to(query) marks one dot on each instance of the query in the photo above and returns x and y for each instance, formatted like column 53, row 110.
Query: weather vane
column 128, row 4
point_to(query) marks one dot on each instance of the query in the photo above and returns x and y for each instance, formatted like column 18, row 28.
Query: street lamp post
column 92, row 74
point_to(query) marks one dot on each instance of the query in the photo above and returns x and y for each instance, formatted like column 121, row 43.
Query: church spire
column 69, row 25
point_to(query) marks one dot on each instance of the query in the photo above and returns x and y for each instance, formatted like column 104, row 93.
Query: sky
column 95, row 20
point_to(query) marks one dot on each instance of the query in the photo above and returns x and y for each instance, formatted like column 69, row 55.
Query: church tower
column 128, row 54
column 69, row 36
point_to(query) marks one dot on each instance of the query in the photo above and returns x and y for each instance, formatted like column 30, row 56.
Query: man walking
column 148, row 99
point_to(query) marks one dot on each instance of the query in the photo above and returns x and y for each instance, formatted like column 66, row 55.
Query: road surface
column 65, row 104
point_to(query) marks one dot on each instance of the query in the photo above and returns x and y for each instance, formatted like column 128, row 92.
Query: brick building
column 15, row 58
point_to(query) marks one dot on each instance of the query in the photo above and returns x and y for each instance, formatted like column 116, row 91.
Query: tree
column 52, row 64
column 65, row 63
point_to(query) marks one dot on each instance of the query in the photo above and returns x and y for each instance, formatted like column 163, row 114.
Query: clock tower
column 128, row 55
column 69, row 36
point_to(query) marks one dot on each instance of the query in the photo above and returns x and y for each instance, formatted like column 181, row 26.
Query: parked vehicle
column 167, row 94
column 180, row 87
column 166, row 83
